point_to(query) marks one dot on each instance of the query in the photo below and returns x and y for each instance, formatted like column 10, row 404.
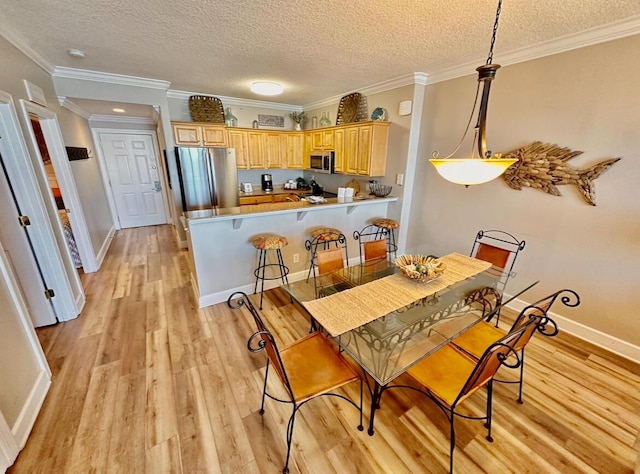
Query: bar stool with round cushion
column 264, row 243
column 322, row 238
column 386, row 229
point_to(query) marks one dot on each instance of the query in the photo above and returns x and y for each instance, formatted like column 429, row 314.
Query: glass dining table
column 388, row 345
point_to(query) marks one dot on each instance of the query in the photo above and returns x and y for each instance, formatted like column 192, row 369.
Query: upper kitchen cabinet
column 257, row 153
column 338, row 160
column 365, row 149
column 199, row 134
column 239, row 140
column 322, row 140
column 274, row 151
column 293, row 149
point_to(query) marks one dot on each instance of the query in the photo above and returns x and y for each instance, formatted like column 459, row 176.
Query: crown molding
column 401, row 81
column 73, row 107
column 16, row 40
column 121, row 119
column 235, row 101
column 597, row 35
column 119, row 79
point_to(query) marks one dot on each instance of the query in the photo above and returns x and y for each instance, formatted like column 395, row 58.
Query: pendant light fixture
column 484, row 167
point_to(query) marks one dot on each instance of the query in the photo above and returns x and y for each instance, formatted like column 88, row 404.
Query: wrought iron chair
column 449, row 377
column 327, row 282
column 373, row 243
column 501, row 249
column 322, row 238
column 480, row 336
column 309, row 368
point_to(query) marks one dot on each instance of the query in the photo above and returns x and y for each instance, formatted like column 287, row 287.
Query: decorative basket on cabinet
column 206, row 109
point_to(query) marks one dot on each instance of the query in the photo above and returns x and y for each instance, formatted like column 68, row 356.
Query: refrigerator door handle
column 211, row 178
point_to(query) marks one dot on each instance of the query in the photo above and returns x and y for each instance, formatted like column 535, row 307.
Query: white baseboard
column 105, row 246
column 222, row 296
column 31, row 408
column 593, row 336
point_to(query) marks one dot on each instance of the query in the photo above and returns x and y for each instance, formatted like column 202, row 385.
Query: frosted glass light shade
column 266, row 88
column 470, row 171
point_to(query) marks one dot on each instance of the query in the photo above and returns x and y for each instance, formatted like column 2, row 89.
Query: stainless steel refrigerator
column 208, row 177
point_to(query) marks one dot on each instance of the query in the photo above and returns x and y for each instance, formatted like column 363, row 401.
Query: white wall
column 585, row 100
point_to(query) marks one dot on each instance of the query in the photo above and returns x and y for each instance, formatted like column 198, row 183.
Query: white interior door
column 132, row 164
column 19, row 255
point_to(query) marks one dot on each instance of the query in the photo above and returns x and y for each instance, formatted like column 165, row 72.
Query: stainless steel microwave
column 321, row 161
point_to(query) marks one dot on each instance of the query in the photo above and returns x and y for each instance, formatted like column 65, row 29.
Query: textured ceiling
column 316, row 49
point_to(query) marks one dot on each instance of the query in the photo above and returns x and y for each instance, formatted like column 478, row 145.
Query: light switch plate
column 404, row 108
column 399, row 179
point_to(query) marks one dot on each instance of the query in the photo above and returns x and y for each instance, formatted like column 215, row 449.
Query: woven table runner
column 349, row 309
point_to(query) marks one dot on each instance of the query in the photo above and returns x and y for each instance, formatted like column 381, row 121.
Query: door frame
column 32, row 202
column 104, row 173
column 13, row 439
column 64, row 176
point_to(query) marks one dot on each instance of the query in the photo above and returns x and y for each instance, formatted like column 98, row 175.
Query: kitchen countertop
column 219, row 214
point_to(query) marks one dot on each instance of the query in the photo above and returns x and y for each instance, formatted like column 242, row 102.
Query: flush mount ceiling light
column 119, row 110
column 266, row 88
column 485, row 167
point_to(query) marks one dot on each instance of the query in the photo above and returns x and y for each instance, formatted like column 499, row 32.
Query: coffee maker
column 267, row 182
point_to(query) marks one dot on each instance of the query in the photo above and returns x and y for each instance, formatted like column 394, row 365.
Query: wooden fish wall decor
column 544, row 166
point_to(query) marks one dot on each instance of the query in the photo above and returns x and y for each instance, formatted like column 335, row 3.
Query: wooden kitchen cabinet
column 238, row 139
column 338, row 141
column 293, row 146
column 199, row 134
column 257, row 155
column 322, row 140
column 365, row 149
column 350, row 158
column 214, row 135
column 249, row 200
column 274, row 152
column 187, row 134
column 268, row 198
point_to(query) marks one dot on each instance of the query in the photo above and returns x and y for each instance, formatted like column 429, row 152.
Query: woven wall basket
column 206, row 109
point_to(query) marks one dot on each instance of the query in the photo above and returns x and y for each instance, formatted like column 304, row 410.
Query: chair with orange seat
column 323, row 238
column 482, row 335
column 449, row 377
column 372, row 243
column 309, row 368
column 501, row 250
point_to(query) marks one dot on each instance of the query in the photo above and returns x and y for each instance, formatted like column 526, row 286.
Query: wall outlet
column 399, row 179
column 296, row 258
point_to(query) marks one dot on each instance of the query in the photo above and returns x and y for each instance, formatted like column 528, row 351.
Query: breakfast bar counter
column 222, row 258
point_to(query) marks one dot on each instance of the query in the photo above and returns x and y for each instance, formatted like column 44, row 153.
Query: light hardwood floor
column 145, row 382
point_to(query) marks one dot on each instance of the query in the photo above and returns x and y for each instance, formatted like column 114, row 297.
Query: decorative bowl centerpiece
column 380, row 190
column 420, row 267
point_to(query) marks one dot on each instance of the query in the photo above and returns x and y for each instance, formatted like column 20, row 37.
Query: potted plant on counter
column 297, row 118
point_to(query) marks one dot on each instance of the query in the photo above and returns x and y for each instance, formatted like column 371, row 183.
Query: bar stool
column 321, row 239
column 264, row 243
column 386, row 229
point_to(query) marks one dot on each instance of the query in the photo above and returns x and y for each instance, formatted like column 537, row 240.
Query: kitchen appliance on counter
column 267, row 182
column 322, row 161
column 246, row 187
column 208, row 177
